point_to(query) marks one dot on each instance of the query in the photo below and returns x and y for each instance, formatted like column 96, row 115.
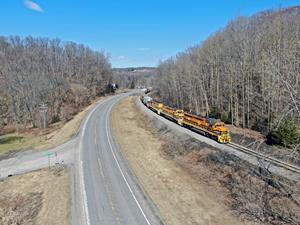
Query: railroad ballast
column 212, row 128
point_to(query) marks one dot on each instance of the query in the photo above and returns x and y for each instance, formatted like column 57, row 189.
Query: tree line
column 247, row 74
column 134, row 77
column 33, row 71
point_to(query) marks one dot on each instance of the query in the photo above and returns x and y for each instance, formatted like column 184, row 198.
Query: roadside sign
column 49, row 154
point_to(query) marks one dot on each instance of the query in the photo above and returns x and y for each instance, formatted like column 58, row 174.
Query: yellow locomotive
column 211, row 128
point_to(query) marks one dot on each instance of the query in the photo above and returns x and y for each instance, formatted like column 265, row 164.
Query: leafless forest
column 66, row 76
column 134, row 77
column 248, row 73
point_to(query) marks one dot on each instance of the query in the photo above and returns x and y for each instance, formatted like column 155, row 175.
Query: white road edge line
column 112, row 151
column 86, row 209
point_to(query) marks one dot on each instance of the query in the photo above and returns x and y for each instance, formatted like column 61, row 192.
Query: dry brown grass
column 68, row 130
column 34, row 138
column 180, row 198
column 246, row 132
column 38, row 198
column 194, row 183
column 253, row 194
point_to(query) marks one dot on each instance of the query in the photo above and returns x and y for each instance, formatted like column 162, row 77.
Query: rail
column 267, row 158
column 270, row 159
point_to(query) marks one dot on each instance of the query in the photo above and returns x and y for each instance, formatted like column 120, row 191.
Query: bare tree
column 66, row 76
column 248, row 71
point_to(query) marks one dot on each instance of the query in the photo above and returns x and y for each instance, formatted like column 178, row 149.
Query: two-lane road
column 111, row 194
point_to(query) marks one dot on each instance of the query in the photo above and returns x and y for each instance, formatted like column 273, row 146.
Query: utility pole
column 56, row 157
column 49, row 161
column 43, row 108
column 49, row 154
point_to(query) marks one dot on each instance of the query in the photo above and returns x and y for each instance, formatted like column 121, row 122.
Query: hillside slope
column 247, row 73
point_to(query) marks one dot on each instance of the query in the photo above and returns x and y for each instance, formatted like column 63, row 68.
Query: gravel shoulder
column 180, row 198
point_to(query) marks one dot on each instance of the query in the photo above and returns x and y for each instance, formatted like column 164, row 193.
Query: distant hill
column 134, row 76
column 132, row 69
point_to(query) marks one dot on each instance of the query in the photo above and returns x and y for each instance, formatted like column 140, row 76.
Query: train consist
column 209, row 127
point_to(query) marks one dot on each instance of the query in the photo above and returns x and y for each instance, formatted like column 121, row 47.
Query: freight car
column 209, row 127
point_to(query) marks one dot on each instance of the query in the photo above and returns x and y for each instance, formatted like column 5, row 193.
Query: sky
column 132, row 32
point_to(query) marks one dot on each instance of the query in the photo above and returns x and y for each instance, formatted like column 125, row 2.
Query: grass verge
column 40, row 197
column 180, row 198
column 194, row 183
column 37, row 139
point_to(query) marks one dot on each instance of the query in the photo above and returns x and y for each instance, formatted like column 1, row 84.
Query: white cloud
column 143, row 49
column 33, row 6
column 121, row 57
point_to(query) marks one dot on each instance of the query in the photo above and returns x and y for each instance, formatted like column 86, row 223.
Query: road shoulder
column 179, row 197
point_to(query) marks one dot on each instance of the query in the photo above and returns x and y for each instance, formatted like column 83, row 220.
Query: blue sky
column 132, row 32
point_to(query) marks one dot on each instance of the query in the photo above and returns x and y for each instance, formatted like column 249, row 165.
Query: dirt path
column 38, row 198
column 179, row 197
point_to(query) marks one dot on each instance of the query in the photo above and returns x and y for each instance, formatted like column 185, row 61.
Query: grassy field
column 13, row 142
column 55, row 135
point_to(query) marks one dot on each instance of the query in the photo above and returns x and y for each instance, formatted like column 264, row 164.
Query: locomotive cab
column 224, row 136
column 179, row 114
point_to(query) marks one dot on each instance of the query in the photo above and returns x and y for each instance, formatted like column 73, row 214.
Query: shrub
column 132, row 85
column 214, row 113
column 286, row 134
column 55, row 118
column 261, row 125
column 226, row 117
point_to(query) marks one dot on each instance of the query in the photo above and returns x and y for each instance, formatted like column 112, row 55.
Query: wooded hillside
column 66, row 76
column 248, row 73
column 134, row 77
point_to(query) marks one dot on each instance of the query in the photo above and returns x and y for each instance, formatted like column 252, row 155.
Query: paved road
column 27, row 161
column 110, row 193
column 251, row 159
column 103, row 188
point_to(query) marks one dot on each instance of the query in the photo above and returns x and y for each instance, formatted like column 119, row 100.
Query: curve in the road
column 111, row 194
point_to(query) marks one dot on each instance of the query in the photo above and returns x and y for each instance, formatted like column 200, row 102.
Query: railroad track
column 264, row 157
column 270, row 159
